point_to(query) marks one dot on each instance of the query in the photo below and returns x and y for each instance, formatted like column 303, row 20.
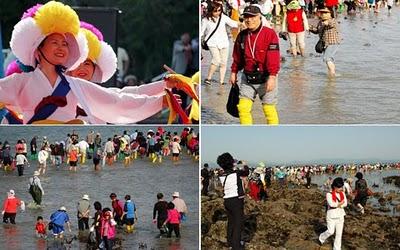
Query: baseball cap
column 252, row 10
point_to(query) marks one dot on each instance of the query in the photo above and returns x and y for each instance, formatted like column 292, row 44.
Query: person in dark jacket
column 361, row 191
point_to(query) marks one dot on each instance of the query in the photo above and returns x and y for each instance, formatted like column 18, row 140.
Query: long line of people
column 74, row 151
column 257, row 179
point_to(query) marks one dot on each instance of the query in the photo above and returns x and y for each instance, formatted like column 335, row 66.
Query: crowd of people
column 238, row 181
column 261, row 176
column 254, row 28
column 74, row 151
column 106, row 221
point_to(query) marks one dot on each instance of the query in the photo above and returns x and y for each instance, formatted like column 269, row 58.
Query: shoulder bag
column 204, row 42
column 320, row 46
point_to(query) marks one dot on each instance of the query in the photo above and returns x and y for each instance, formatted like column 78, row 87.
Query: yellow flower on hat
column 67, row 19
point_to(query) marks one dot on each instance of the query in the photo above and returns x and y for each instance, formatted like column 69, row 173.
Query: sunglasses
column 218, row 10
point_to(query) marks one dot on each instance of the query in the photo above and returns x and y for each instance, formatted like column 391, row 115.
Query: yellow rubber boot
column 160, row 159
column 244, row 108
column 271, row 115
column 135, row 155
column 154, row 159
column 83, row 158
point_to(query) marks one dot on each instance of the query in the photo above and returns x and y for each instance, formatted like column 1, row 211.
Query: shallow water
column 365, row 91
column 142, row 180
column 372, row 177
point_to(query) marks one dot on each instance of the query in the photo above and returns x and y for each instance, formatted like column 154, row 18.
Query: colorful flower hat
column 39, row 22
column 100, row 53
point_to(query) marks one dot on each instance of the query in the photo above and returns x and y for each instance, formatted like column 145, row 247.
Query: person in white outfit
column 218, row 42
column 337, row 201
column 42, row 159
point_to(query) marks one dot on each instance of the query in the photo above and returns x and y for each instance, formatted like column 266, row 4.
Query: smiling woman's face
column 55, row 49
column 84, row 71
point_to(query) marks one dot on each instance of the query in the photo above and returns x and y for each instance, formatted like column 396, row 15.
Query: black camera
column 256, row 76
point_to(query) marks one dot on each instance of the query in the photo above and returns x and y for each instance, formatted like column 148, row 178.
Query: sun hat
column 41, row 21
column 175, row 194
column 294, row 5
column 85, row 197
column 100, row 53
column 36, row 173
column 63, row 209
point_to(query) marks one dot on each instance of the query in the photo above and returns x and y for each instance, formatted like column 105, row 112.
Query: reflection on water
column 366, row 89
column 142, row 180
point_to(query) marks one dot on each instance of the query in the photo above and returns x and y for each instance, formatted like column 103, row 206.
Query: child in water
column 40, row 228
column 173, row 220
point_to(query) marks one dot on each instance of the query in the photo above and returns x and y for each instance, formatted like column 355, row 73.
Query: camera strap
column 253, row 49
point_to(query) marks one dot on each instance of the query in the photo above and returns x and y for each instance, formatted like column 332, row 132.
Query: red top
column 295, row 21
column 266, row 53
column 73, row 155
column 118, row 207
column 41, row 228
column 331, row 3
column 19, row 148
column 174, row 216
column 11, row 205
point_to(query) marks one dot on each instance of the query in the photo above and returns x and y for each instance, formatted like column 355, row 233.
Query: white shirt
column 266, row 7
column 21, row 159
column 336, row 212
column 127, row 138
column 220, row 38
column 347, row 188
column 42, row 156
column 83, row 145
column 23, row 92
column 109, row 147
column 176, row 148
column 231, row 185
column 236, row 4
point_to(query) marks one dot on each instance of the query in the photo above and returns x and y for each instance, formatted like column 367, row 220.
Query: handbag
column 320, row 46
column 204, row 44
column 51, row 225
column 233, row 101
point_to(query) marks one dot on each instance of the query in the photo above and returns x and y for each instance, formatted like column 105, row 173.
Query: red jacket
column 11, row 204
column 174, row 217
column 295, row 21
column 266, row 53
column 40, row 228
column 331, row 3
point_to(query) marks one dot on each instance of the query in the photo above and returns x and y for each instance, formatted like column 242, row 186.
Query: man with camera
column 256, row 52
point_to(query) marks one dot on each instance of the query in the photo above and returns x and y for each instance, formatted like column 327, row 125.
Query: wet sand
column 364, row 92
